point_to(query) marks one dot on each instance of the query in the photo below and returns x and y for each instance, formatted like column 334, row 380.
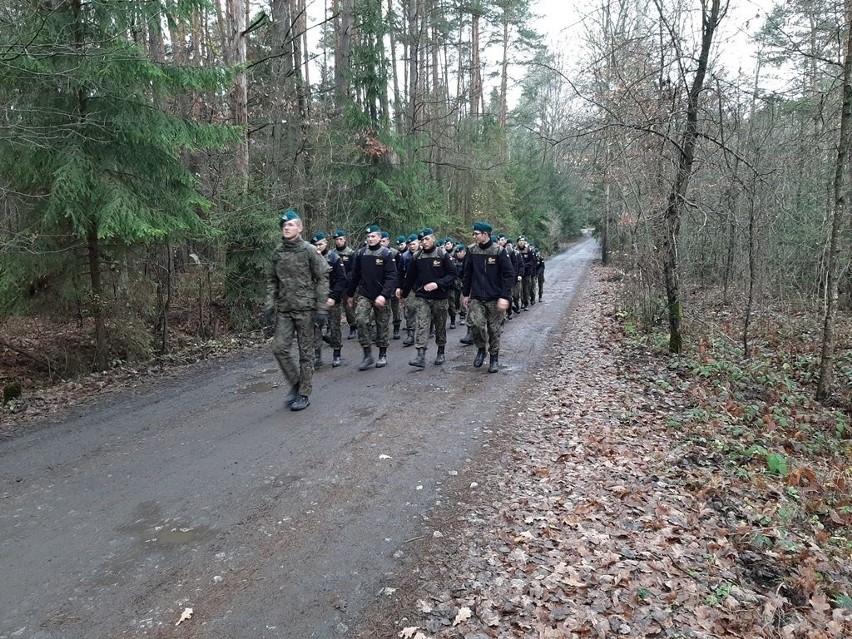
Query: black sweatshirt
column 434, row 266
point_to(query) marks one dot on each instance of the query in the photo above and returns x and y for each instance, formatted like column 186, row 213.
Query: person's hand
column 330, row 302
column 320, row 319
column 502, row 304
column 380, row 301
column 520, row 277
column 350, row 302
column 431, row 286
column 465, row 301
column 269, row 315
column 398, row 293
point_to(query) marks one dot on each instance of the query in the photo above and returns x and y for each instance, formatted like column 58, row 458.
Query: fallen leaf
column 186, row 615
column 819, row 602
column 463, row 614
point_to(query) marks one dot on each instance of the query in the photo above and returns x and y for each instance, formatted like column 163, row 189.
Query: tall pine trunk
column 839, row 214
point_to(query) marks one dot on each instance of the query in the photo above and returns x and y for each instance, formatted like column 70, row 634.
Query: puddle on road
column 257, row 387
column 151, row 530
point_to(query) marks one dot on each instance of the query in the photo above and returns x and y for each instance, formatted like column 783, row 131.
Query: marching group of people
column 424, row 281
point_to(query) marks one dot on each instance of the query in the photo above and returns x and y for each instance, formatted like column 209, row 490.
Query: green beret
column 373, row 228
column 425, row 232
column 288, row 215
column 483, row 227
column 340, row 233
column 412, row 237
column 460, row 248
column 385, row 234
column 316, row 237
column 521, row 237
column 400, row 239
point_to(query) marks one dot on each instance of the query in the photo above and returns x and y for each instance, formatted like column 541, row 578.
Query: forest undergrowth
column 705, row 495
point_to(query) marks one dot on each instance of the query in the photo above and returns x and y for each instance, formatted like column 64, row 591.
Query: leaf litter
column 601, row 520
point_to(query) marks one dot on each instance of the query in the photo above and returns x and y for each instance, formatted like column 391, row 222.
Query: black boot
column 368, row 360
column 439, row 358
column 467, row 339
column 494, row 364
column 292, row 396
column 335, row 360
column 409, row 337
column 301, row 403
column 452, row 321
column 420, row 360
column 353, row 333
column 383, row 357
column 317, row 357
column 480, row 358
column 396, row 334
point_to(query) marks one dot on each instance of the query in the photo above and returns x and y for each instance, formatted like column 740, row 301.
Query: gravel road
column 205, row 492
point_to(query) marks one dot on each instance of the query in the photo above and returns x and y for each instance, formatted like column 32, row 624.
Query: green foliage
column 91, row 146
column 249, row 232
column 776, row 463
column 384, row 181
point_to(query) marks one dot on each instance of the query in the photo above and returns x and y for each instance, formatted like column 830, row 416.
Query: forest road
column 206, row 492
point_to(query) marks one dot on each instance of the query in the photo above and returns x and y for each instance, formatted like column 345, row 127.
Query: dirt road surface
column 205, row 492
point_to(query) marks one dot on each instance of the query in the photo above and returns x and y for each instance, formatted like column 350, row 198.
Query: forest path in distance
column 205, row 492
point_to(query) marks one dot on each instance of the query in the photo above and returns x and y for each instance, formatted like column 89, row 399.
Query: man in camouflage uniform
column 430, row 274
column 452, row 304
column 297, row 296
column 394, row 301
column 540, row 274
column 346, row 253
column 486, row 293
column 409, row 312
column 527, row 292
column 337, row 289
column 517, row 264
column 374, row 280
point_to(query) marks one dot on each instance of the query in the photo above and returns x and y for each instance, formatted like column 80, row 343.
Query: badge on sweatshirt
column 492, row 260
column 436, row 263
column 379, row 261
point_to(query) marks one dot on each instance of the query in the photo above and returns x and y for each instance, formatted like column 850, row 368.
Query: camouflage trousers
column 516, row 295
column 298, row 327
column 410, row 317
column 350, row 316
column 394, row 304
column 540, row 286
column 486, row 323
column 432, row 312
column 452, row 304
column 365, row 313
column 335, row 336
column 456, row 297
column 527, row 292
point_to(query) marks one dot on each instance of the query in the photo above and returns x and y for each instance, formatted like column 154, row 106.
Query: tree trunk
column 839, row 214
column 343, row 10
column 397, row 98
column 239, row 96
column 475, row 64
column 94, row 254
column 676, row 201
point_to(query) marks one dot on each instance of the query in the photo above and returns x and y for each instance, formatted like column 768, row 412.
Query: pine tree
column 91, row 151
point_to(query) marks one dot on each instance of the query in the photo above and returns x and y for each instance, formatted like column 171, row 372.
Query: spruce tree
column 91, row 157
